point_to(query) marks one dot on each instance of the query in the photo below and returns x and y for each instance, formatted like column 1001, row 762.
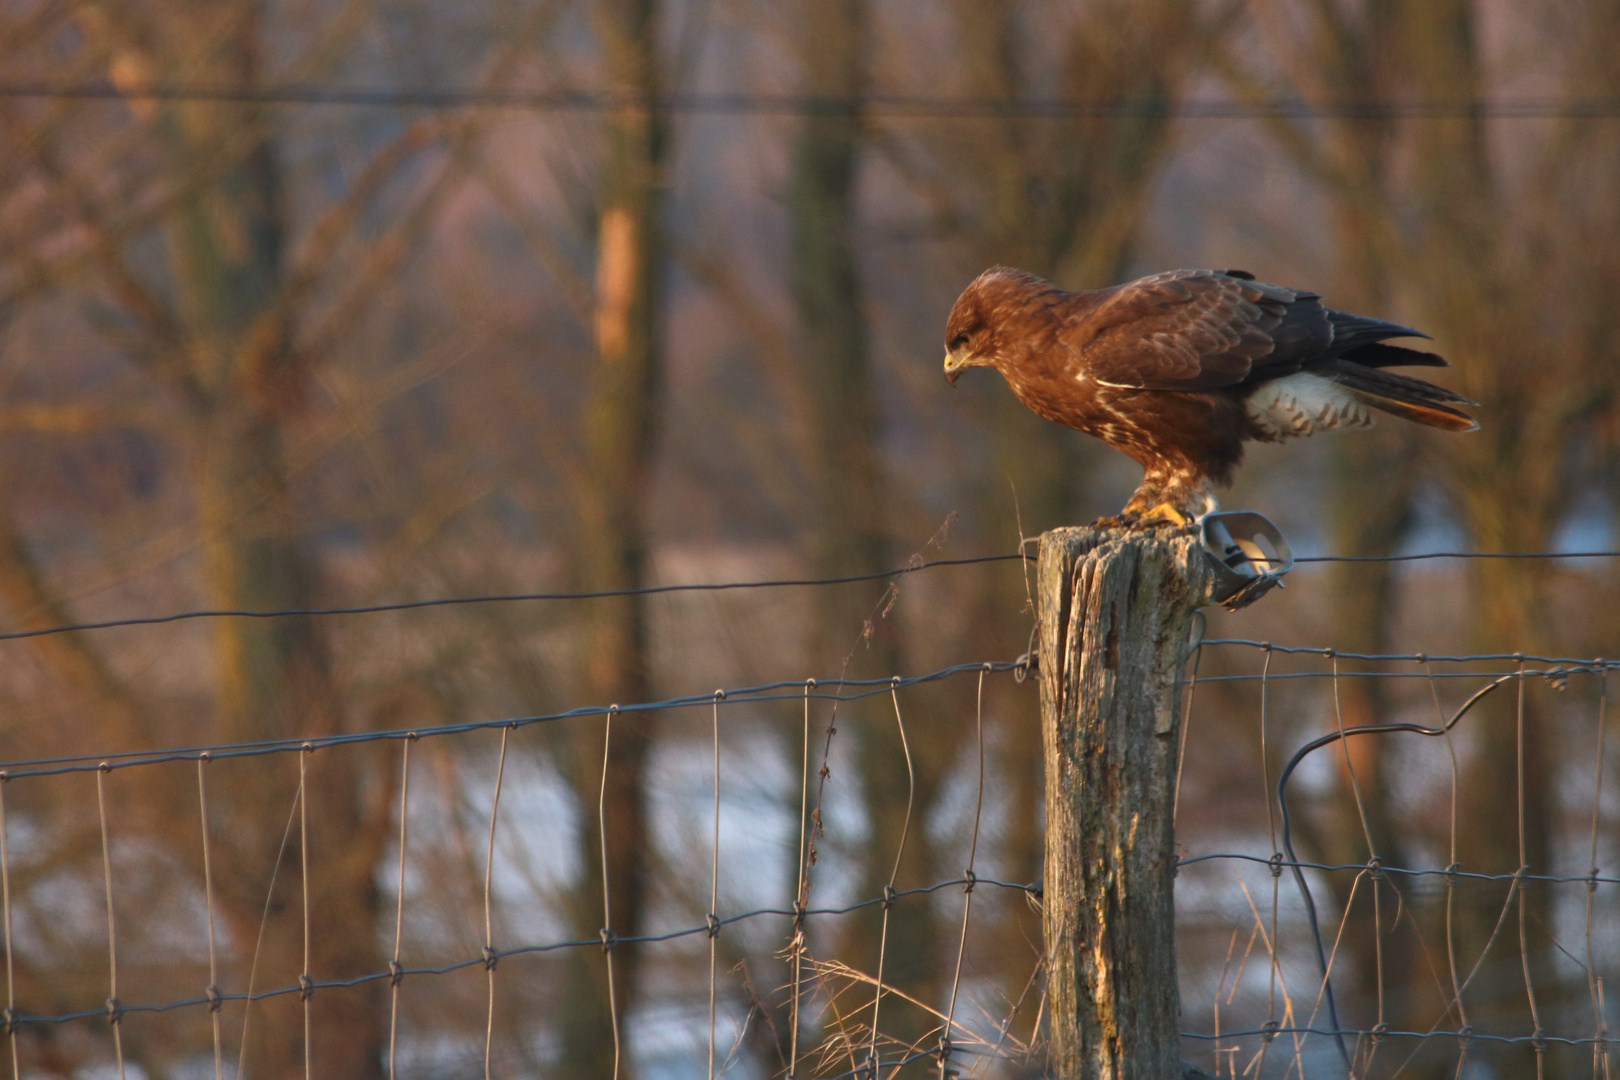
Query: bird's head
column 972, row 331
column 968, row 337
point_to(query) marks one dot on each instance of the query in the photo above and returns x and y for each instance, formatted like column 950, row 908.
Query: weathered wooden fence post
column 1116, row 610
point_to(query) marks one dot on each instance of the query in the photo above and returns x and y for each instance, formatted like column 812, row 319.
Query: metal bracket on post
column 1247, row 555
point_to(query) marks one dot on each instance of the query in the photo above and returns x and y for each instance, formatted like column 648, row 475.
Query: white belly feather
column 1303, row 404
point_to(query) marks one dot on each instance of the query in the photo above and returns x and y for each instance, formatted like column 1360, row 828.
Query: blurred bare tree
column 172, row 226
column 613, row 538
column 285, row 355
column 852, row 506
column 1493, row 237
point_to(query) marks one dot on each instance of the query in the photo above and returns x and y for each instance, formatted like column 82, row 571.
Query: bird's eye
column 958, row 341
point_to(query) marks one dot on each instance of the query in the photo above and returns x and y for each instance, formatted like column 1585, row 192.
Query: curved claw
column 1164, row 514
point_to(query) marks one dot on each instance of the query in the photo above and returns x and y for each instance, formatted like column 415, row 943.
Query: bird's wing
column 1196, row 330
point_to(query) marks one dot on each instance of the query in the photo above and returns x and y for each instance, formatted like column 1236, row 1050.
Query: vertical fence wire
column 214, row 998
column 1452, row 866
column 395, row 972
column 1374, row 872
column 304, row 979
column 1215, row 1012
column 1186, row 718
column 5, row 903
column 714, row 878
column 801, row 892
column 1524, row 868
column 1594, row 984
column 873, row 1057
column 607, row 907
column 114, row 1007
column 264, row 922
column 490, row 956
column 1372, row 853
column 1276, row 980
column 967, row 890
column 1274, row 971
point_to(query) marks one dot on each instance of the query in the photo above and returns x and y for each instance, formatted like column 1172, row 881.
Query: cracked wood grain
column 1116, row 612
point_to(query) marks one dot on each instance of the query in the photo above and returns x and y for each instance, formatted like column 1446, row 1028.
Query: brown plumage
column 1178, row 370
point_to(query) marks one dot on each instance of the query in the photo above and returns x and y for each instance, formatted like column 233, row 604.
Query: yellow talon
column 1166, row 513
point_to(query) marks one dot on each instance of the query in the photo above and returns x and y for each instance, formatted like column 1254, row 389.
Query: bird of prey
column 1180, row 369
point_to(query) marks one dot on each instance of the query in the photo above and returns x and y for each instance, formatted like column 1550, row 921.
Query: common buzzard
column 1178, row 370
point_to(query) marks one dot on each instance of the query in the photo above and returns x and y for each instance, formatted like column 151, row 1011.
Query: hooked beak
column 953, row 367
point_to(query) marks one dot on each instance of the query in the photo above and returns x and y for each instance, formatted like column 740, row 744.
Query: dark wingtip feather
column 1382, row 354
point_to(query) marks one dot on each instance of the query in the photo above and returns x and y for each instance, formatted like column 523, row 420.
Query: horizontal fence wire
column 1393, row 1033
column 1289, row 864
column 501, row 598
column 841, row 690
column 1416, row 658
column 836, row 691
column 724, row 586
column 902, row 105
column 485, row 959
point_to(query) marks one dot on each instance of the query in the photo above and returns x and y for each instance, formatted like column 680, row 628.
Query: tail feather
column 1352, row 332
column 1381, row 355
column 1404, row 396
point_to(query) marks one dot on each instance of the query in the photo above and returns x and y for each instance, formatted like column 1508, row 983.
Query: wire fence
column 1304, row 986
column 1246, row 1045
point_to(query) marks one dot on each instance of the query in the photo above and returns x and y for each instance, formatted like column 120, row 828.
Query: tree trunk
column 1116, row 612
column 1374, row 479
column 852, row 508
column 612, row 540
column 242, row 384
column 1509, row 487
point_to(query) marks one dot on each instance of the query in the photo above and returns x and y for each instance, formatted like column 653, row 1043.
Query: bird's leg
column 1177, row 498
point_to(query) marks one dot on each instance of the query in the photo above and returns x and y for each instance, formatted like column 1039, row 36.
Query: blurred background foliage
column 329, row 302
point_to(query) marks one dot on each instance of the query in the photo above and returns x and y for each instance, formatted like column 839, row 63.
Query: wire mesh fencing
column 1471, row 933
column 813, row 907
